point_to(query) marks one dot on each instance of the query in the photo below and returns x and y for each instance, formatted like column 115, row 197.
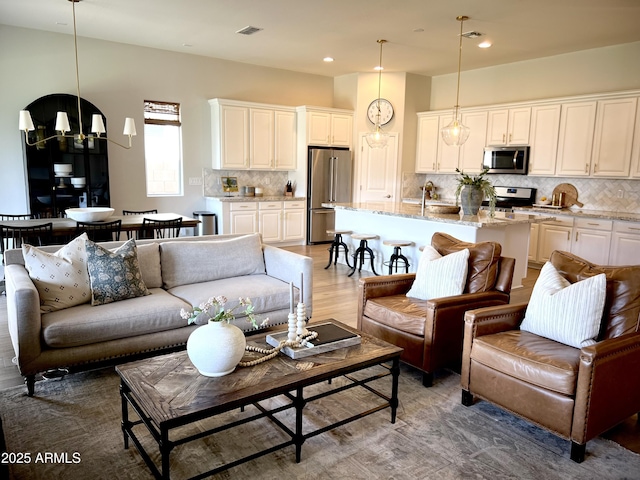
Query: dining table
column 66, row 227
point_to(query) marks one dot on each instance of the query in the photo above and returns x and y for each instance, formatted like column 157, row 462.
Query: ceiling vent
column 472, row 34
column 249, row 30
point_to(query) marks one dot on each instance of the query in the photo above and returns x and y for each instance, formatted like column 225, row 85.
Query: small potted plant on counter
column 471, row 191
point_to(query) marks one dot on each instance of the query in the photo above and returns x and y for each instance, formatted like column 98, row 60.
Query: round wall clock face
column 386, row 111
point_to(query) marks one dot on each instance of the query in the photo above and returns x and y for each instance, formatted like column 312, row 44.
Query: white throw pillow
column 564, row 312
column 439, row 276
column 62, row 278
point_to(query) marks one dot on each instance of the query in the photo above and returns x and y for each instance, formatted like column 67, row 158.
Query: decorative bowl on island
column 89, row 214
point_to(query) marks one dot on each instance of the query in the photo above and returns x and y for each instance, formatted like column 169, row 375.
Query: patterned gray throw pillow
column 114, row 275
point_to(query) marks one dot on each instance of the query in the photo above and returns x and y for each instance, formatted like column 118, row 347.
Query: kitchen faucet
column 428, row 186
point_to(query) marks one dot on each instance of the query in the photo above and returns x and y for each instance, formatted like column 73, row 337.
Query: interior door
column 378, row 171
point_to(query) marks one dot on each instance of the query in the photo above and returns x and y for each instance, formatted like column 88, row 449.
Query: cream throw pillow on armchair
column 439, row 276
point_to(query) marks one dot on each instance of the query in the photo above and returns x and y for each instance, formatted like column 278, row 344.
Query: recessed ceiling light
column 418, row 30
column 187, row 45
column 327, row 59
column 378, row 68
column 485, row 44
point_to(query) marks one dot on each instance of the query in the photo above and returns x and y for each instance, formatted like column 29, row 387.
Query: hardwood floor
column 334, row 296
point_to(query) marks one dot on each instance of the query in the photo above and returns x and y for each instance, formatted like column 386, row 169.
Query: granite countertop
column 482, row 220
column 270, row 198
column 571, row 212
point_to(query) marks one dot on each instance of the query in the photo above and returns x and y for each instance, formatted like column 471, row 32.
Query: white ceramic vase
column 216, row 348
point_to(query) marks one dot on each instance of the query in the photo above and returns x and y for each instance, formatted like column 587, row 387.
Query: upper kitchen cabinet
column 545, row 127
column 433, row 155
column 635, row 153
column 509, row 126
column 82, row 178
column 327, row 126
column 575, row 141
column 252, row 136
column 613, row 138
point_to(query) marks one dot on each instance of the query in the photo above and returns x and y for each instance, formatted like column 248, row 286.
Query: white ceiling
column 299, row 33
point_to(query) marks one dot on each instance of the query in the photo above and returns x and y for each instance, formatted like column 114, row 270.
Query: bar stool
column 337, row 243
column 363, row 249
column 397, row 255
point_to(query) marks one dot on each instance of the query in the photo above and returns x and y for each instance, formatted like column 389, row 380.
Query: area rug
column 71, row 429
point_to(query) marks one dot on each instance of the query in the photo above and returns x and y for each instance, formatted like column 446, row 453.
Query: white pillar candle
column 290, row 297
column 301, row 287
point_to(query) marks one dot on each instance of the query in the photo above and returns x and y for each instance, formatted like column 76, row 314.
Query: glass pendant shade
column 455, row 134
column 377, row 138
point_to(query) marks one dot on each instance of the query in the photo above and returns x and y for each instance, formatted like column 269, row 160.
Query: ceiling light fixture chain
column 456, row 133
column 377, row 138
column 62, row 120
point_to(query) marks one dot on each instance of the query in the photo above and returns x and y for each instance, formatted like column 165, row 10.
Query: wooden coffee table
column 167, row 392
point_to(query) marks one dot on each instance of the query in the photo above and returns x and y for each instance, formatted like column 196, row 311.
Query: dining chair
column 160, row 228
column 137, row 212
column 100, row 231
column 15, row 237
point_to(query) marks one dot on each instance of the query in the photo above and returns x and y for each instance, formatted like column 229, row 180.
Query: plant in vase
column 216, row 347
column 472, row 190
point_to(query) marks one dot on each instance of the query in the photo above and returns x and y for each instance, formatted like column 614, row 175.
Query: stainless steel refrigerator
column 329, row 181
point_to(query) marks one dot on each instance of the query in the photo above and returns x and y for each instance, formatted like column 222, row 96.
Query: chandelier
column 62, row 126
column 456, row 133
column 378, row 138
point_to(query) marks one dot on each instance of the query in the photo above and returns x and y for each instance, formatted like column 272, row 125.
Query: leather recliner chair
column 431, row 331
column 576, row 394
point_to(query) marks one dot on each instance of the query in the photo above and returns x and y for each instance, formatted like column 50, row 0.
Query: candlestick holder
column 292, row 327
column 302, row 320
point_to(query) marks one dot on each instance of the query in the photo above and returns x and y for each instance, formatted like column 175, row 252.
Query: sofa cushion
column 85, row 325
column 149, row 260
column 622, row 304
column 185, row 263
column 398, row 311
column 483, row 260
column 565, row 312
column 61, row 278
column 267, row 294
column 114, row 275
column 530, row 358
column 439, row 276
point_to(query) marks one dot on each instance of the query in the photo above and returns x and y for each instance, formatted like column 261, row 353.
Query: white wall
column 588, row 71
column 117, row 78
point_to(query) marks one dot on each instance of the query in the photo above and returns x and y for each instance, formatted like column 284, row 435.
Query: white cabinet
column 613, row 138
column 625, row 245
column 471, row 152
column 447, row 155
column 533, row 242
column 635, row 152
column 509, row 126
column 543, row 136
column 427, row 144
column 328, row 128
column 592, row 239
column 554, row 235
column 577, row 121
column 252, row 136
column 243, row 218
column 281, row 221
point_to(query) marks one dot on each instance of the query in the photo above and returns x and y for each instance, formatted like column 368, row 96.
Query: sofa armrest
column 385, row 285
column 287, row 266
column 486, row 321
column 23, row 311
column 607, row 391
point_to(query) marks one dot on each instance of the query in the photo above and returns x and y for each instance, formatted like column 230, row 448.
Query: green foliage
column 480, row 182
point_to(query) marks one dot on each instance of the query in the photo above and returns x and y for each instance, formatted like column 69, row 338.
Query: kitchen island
column 400, row 221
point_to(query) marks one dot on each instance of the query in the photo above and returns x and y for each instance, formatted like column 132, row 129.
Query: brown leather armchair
column 576, row 394
column 431, row 331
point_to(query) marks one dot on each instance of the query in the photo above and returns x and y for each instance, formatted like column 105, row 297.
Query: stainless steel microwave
column 513, row 160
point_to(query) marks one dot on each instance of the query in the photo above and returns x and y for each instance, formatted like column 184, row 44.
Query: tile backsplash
column 272, row 183
column 595, row 193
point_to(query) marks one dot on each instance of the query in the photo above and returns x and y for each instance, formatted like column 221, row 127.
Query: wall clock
column 386, row 111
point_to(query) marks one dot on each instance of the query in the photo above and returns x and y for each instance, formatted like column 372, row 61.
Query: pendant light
column 62, row 126
column 377, row 138
column 456, row 133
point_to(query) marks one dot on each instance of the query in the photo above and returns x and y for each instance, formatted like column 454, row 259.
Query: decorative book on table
column 330, row 337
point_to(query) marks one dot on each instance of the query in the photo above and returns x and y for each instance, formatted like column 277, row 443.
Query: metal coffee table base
column 297, row 401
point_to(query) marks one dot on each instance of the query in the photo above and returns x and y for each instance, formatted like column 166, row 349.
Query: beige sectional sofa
column 178, row 273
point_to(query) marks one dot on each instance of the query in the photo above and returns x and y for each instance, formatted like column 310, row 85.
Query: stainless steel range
column 509, row 197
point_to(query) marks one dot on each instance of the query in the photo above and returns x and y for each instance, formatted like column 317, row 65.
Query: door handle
column 387, row 196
